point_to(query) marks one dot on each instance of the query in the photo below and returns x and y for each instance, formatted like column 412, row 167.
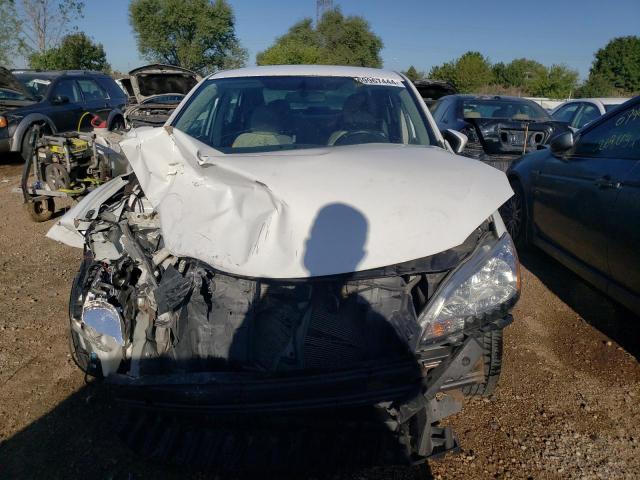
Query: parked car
column 156, row 90
column 579, row 201
column 580, row 111
column 496, row 126
column 296, row 239
column 56, row 101
column 433, row 90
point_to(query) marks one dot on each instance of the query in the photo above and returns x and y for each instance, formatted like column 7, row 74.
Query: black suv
column 55, row 100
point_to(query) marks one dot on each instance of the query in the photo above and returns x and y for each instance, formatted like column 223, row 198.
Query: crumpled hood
column 313, row 212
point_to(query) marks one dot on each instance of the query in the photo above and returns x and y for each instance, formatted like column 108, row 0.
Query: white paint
column 311, row 212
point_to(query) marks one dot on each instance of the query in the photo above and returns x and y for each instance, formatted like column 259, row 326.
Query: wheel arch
column 25, row 124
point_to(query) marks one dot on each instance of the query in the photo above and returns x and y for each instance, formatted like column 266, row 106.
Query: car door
column 95, row 101
column 624, row 222
column 66, row 104
column 575, row 193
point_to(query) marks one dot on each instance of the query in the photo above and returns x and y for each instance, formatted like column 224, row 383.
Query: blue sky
column 418, row 32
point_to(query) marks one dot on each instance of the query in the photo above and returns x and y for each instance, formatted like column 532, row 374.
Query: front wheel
column 492, row 357
column 514, row 215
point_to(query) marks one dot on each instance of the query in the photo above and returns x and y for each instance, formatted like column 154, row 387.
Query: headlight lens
column 482, row 286
column 102, row 325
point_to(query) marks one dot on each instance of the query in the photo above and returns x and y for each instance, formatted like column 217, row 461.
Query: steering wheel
column 362, row 136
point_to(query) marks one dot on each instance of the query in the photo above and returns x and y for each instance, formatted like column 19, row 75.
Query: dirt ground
column 567, row 405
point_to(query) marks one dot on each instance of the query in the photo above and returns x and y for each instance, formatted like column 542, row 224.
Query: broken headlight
column 479, row 289
column 102, row 325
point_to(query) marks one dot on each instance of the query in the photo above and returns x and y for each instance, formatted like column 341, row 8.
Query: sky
column 422, row 33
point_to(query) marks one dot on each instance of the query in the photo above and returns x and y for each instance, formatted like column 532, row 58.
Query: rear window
column 503, row 108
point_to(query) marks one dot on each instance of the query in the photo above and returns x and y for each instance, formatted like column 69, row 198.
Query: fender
column 23, row 126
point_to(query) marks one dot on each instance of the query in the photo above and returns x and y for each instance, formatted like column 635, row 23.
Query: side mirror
column 561, row 143
column 456, row 140
column 60, row 100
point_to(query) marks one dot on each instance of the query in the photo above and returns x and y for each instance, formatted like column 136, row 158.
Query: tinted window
column 91, row 90
column 256, row 114
column 35, row 85
column 566, row 112
column 67, row 88
column 587, row 114
column 617, row 137
column 503, row 108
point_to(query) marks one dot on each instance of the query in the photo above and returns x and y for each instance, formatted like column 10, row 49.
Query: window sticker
column 387, row 82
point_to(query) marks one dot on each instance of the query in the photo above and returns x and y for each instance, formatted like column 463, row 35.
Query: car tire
column 26, row 149
column 514, row 215
column 492, row 357
column 41, row 210
column 117, row 124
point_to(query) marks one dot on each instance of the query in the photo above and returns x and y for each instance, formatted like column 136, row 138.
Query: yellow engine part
column 77, row 147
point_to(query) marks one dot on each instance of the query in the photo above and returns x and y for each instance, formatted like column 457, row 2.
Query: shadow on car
column 80, row 437
column 599, row 311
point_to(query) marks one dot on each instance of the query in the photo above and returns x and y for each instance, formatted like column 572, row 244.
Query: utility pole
column 322, row 6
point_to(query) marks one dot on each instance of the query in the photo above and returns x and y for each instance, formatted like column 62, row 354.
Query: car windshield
column 36, row 85
column 259, row 114
column 503, row 108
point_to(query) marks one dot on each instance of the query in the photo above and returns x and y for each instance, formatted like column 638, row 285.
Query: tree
column 76, row 52
column 44, row 22
column 413, row 74
column 299, row 46
column 336, row 40
column 468, row 73
column 618, row 64
column 194, row 34
column 596, row 86
column 519, row 73
column 559, row 82
column 11, row 45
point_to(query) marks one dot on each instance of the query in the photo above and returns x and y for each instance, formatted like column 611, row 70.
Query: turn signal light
column 3, row 122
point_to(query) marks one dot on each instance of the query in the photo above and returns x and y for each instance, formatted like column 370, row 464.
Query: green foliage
column 194, row 34
column 468, row 73
column 473, row 72
column 559, row 81
column 76, row 52
column 299, row 46
column 336, row 40
column 11, row 44
column 519, row 73
column 413, row 74
column 596, row 86
column 618, row 65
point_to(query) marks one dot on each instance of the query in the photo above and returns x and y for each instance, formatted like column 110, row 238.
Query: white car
column 580, row 111
column 295, row 239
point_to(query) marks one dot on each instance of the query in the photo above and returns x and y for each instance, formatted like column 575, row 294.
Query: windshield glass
column 258, row 114
column 502, row 108
column 35, row 85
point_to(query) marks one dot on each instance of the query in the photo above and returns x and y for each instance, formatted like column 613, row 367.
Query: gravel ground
column 566, row 407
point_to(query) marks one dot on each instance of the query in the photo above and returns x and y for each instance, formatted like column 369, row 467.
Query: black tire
column 117, row 124
column 514, row 215
column 493, row 343
column 41, row 210
column 26, row 149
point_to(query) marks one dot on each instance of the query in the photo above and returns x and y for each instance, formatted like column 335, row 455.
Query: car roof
column 603, row 100
column 309, row 70
column 51, row 74
column 491, row 97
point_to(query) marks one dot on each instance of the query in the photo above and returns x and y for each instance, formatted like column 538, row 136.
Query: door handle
column 607, row 182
